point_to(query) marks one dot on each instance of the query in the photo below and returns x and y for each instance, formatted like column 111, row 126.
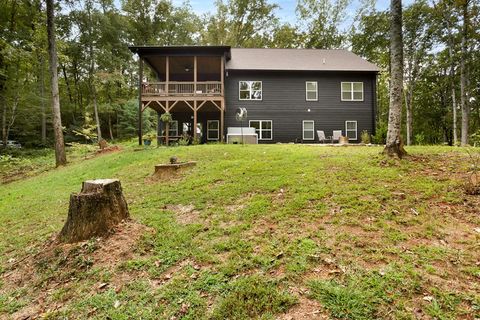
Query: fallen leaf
column 102, row 285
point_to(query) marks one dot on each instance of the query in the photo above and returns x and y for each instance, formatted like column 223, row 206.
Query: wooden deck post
column 167, row 74
column 194, row 119
column 167, row 124
column 222, row 120
column 194, row 75
column 222, row 73
column 159, row 129
column 140, row 104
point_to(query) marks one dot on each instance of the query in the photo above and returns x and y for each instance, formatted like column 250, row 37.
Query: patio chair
column 321, row 136
column 336, row 135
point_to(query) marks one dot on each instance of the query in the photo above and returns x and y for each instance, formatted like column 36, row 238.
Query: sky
column 287, row 7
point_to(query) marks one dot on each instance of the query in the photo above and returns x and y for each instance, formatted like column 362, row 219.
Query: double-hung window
column 351, row 129
column 308, row 130
column 213, row 129
column 263, row 128
column 250, row 90
column 173, row 128
column 311, row 93
column 352, row 91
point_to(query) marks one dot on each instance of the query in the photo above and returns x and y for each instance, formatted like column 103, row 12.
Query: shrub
column 196, row 141
column 184, row 140
column 475, row 139
column 420, row 139
column 365, row 136
column 380, row 136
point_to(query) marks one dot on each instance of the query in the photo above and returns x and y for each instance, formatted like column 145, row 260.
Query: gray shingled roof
column 298, row 59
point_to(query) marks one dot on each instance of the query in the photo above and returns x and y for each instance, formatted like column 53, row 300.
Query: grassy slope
column 363, row 237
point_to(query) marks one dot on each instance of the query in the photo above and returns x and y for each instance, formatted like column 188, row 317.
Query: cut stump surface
column 171, row 169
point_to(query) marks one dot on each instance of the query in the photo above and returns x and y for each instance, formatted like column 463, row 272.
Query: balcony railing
column 179, row 88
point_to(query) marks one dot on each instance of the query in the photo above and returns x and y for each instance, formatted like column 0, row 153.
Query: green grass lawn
column 264, row 231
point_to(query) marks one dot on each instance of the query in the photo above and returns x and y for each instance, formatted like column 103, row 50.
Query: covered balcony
column 188, row 83
column 183, row 76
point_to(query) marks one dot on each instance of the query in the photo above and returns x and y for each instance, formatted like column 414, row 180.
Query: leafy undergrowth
column 17, row 164
column 267, row 231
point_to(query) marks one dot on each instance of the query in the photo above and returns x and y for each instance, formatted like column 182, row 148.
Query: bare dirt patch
column 109, row 149
column 65, row 262
column 185, row 214
column 305, row 308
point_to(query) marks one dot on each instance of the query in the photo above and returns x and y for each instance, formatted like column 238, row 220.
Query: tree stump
column 95, row 210
column 102, row 144
column 165, row 171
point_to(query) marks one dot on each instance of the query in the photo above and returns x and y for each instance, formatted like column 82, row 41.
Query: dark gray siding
column 285, row 104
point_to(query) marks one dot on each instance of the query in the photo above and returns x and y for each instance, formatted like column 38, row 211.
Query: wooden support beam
column 201, row 104
column 159, row 129
column 167, row 73
column 188, row 104
column 194, row 120
column 173, row 105
column 145, row 106
column 216, row 105
column 140, row 103
column 222, row 73
column 222, row 120
column 162, row 106
column 167, row 127
column 194, row 75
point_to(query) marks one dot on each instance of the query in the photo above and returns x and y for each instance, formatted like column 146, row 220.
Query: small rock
column 116, row 304
column 428, row 298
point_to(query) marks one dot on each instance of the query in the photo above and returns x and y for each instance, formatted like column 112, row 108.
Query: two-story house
column 289, row 93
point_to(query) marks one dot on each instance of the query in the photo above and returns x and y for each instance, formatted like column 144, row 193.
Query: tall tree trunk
column 4, row 123
column 452, row 79
column 463, row 77
column 42, row 102
column 110, row 126
column 95, row 110
column 92, row 72
column 454, row 110
column 60, row 156
column 408, row 108
column 394, row 146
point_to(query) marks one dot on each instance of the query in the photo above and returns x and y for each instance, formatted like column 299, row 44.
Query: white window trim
column 356, row 129
column 217, row 130
column 303, row 130
column 307, row 91
column 170, row 128
column 261, row 90
column 260, row 133
column 351, row 91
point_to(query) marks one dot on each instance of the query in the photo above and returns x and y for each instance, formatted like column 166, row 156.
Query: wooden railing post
column 167, row 74
column 222, row 73
column 194, row 75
